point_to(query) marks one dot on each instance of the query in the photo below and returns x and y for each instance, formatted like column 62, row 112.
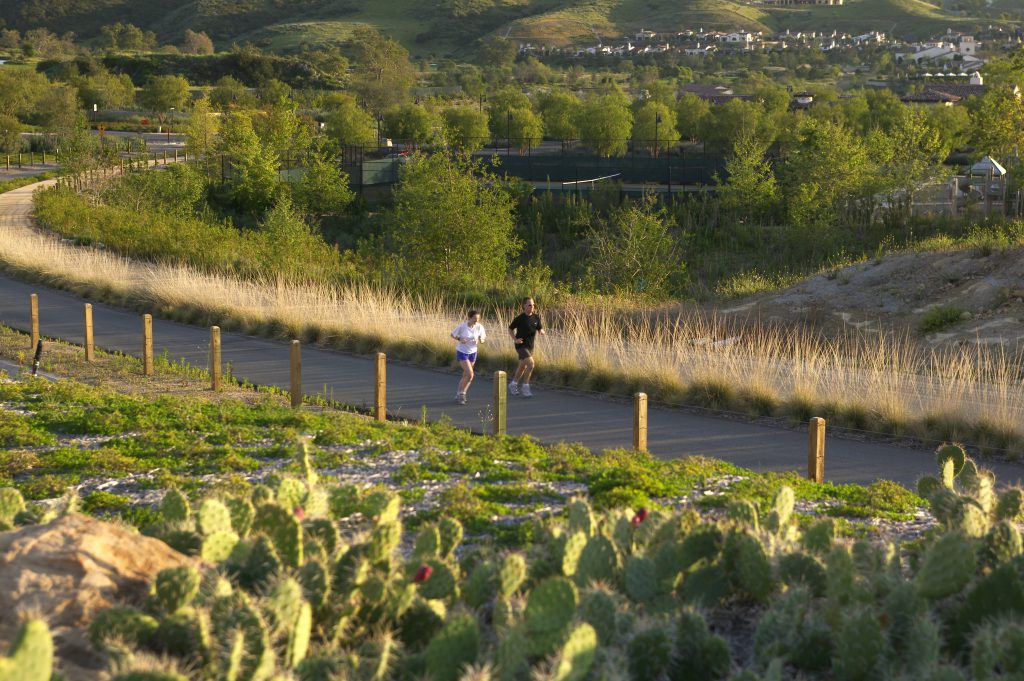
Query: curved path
column 552, row 415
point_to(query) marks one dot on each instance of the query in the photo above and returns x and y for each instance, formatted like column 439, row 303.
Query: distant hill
column 440, row 27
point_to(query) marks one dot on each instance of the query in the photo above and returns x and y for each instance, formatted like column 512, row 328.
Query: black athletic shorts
column 524, row 351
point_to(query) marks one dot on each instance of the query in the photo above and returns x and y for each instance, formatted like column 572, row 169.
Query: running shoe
column 513, row 388
column 460, row 398
column 525, row 391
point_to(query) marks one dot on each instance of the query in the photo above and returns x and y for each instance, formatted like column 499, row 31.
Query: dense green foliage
column 154, row 216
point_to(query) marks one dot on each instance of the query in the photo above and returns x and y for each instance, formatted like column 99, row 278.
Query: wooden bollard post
column 640, row 422
column 380, row 411
column 165, row 157
column 296, row 374
column 175, row 155
column 33, row 305
column 89, row 350
column 500, row 404
column 816, row 449
column 215, row 358
column 147, row 344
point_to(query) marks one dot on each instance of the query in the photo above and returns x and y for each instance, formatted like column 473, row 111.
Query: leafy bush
column 939, row 318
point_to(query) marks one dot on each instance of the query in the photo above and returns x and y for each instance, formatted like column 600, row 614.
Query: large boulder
column 69, row 570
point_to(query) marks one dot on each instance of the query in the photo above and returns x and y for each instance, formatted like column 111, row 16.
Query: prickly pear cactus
column 641, row 579
column 175, row 588
column 1002, row 543
column 31, row 656
column 649, row 654
column 217, row 547
column 572, row 548
column 698, row 656
column 512, row 574
column 213, row 516
column 291, row 493
column 599, row 561
column 439, row 582
column 1010, row 505
column 743, row 513
column 782, row 510
column 948, row 566
column 11, row 504
column 124, row 624
column 580, row 517
column 175, row 507
column 953, row 453
column 706, row 586
column 818, row 537
column 550, row 609
column 242, row 514
column 456, row 646
column 997, row 651
column 704, row 543
column 428, row 544
column 451, row 536
column 860, row 646
column 577, row 655
column 598, row 609
column 482, row 585
column 748, row 567
column 284, row 531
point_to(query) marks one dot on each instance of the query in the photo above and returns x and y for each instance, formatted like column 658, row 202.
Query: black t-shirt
column 526, row 327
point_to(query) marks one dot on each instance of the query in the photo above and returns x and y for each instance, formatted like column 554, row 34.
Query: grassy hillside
column 435, row 28
column 904, row 18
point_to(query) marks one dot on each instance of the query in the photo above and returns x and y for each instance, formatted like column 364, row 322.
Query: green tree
column 348, row 124
column 728, row 121
column 654, row 128
column 10, row 134
column 196, row 43
column 253, row 178
column 160, row 94
column 907, row 155
column 411, row 122
column 453, row 224
column 291, row 249
column 499, row 104
column 691, row 111
column 466, row 127
column 560, row 112
column 827, row 171
column 282, row 130
column 383, row 73
column 201, row 132
column 229, row 93
column 635, row 252
column 323, row 188
column 751, row 191
column 104, row 90
column 524, row 127
column 606, row 123
column 998, row 122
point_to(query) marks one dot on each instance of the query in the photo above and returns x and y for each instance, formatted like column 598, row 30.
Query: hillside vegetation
column 451, row 25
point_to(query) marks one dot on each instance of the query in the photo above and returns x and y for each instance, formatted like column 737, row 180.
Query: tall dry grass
column 871, row 382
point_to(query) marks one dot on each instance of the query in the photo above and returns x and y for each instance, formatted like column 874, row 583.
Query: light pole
column 657, row 122
column 380, row 119
column 508, row 135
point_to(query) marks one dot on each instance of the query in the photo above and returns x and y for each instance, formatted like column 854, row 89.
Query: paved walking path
column 552, row 415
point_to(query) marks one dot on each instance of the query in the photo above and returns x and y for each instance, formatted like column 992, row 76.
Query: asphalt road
column 552, row 415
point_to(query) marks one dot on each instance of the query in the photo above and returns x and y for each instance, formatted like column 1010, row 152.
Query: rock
column 965, row 315
column 69, row 570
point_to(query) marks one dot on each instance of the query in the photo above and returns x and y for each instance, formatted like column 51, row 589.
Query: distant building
column 716, row 94
column 803, row 2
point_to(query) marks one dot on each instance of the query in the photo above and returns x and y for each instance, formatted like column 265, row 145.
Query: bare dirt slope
column 895, row 294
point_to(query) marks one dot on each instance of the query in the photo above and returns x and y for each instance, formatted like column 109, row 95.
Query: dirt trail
column 895, row 294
